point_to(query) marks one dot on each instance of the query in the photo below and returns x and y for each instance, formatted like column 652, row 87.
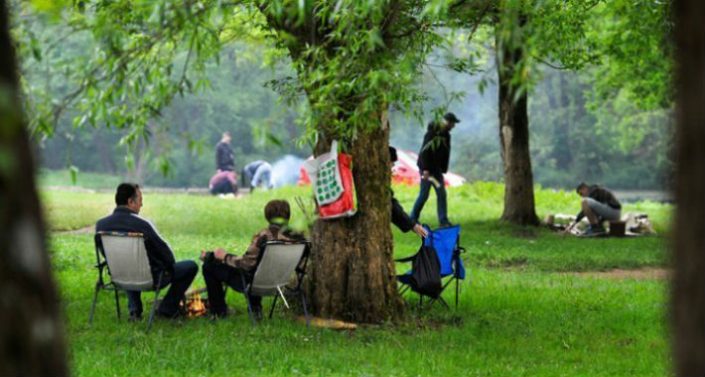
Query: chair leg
column 274, row 303
column 250, row 312
column 403, row 289
column 457, row 290
column 95, row 299
column 306, row 315
column 153, row 309
column 157, row 289
column 117, row 303
column 442, row 301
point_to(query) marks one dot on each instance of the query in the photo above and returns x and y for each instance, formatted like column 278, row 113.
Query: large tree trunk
column 514, row 137
column 31, row 329
column 353, row 275
column 688, row 301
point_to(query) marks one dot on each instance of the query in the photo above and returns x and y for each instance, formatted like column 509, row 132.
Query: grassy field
column 524, row 309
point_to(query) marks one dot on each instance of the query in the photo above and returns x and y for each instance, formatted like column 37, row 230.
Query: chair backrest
column 445, row 242
column 127, row 260
column 278, row 263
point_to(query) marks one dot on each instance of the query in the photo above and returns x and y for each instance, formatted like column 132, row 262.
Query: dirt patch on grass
column 646, row 273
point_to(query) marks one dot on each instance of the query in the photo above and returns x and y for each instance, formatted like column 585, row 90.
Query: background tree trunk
column 31, row 329
column 514, row 138
column 688, row 301
column 562, row 151
column 353, row 275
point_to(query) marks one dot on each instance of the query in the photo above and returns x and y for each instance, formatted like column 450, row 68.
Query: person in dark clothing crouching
column 597, row 204
column 220, row 267
column 125, row 218
column 399, row 217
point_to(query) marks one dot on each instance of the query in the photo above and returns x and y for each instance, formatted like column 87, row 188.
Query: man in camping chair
column 125, row 218
column 220, row 267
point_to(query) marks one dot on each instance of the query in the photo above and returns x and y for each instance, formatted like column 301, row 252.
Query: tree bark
column 31, row 328
column 353, row 274
column 514, row 137
column 561, row 147
column 688, row 296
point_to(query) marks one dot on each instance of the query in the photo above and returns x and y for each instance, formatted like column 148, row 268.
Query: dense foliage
column 608, row 122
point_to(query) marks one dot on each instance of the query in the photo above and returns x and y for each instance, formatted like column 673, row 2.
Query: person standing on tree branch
column 434, row 158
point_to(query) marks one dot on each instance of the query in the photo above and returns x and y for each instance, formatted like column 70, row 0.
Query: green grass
column 519, row 314
column 84, row 180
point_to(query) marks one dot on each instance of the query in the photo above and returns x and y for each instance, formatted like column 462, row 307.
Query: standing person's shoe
column 257, row 312
column 594, row 230
column 163, row 315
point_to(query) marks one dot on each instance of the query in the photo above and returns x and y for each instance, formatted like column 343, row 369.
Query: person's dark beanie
column 580, row 186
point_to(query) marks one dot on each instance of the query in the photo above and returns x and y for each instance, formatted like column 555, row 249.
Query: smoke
column 285, row 171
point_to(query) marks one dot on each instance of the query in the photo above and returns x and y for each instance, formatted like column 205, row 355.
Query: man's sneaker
column 135, row 317
column 594, row 230
column 172, row 316
column 257, row 312
column 217, row 316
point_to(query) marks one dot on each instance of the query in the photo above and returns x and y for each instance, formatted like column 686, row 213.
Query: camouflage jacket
column 248, row 261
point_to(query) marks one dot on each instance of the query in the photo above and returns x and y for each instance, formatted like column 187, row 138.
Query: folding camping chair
column 124, row 256
column 446, row 243
column 278, row 261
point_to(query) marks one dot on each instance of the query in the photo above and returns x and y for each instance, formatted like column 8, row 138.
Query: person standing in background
column 224, row 157
column 434, row 158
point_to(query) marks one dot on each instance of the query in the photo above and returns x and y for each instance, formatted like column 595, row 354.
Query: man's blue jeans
column 184, row 273
column 442, row 204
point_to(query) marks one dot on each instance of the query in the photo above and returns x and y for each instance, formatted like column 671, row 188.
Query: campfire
column 194, row 305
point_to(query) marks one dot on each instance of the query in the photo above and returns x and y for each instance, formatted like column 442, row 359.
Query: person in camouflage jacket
column 222, row 267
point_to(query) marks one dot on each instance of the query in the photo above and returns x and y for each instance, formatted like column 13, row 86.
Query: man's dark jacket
column 603, row 196
column 435, row 150
column 160, row 256
column 399, row 217
column 224, row 157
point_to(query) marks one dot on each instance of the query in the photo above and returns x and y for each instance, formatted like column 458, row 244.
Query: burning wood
column 194, row 305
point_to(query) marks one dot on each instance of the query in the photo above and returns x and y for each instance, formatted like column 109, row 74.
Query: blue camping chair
column 446, row 243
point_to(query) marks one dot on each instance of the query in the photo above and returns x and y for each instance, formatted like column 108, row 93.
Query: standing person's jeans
column 215, row 274
column 184, row 273
column 441, row 206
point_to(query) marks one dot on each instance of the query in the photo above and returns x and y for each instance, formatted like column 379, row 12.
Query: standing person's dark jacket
column 399, row 217
column 434, row 155
column 160, row 256
column 224, row 157
column 603, row 196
